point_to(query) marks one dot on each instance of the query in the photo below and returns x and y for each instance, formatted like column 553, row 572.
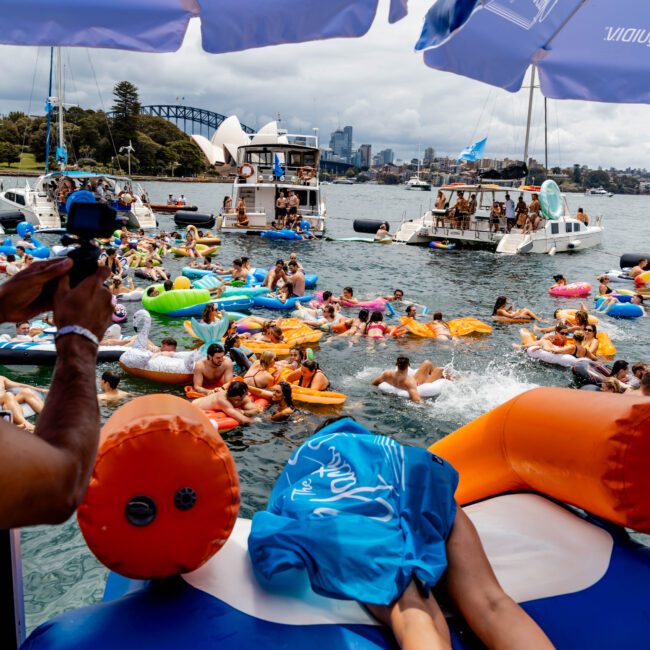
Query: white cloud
column 378, row 84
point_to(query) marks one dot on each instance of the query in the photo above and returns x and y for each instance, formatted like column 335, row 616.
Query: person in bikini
column 402, row 379
column 13, row 402
column 440, row 327
column 309, row 375
column 262, row 373
column 213, row 372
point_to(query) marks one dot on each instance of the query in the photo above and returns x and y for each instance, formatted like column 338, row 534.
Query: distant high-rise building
column 365, row 151
column 429, row 155
column 341, row 143
column 387, row 156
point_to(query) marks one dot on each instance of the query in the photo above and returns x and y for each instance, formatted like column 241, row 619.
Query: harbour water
column 61, row 574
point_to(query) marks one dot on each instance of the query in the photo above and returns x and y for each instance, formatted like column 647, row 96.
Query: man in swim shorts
column 234, row 402
column 213, row 372
column 402, row 379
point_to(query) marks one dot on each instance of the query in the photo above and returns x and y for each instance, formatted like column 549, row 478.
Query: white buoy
column 552, row 251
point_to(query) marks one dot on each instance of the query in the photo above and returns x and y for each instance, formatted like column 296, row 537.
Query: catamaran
column 45, row 203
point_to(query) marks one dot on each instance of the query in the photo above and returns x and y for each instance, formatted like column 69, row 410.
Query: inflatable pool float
column 194, row 274
column 362, row 240
column 642, row 279
column 188, row 218
column 504, row 319
column 120, row 313
column 296, row 332
column 590, row 373
column 440, row 246
column 550, row 199
column 167, row 301
column 30, row 353
column 202, row 250
column 39, row 252
column 131, row 296
column 285, row 233
column 619, row 276
column 139, row 361
column 224, row 423
column 569, row 316
column 518, row 464
column 208, row 241
column 231, row 303
column 211, row 280
column 574, row 290
column 622, row 309
column 312, row 396
column 269, row 302
column 259, row 275
column 457, row 327
column 605, row 349
column 425, row 391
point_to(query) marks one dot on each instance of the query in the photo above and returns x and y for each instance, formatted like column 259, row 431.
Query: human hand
column 26, row 294
column 89, row 304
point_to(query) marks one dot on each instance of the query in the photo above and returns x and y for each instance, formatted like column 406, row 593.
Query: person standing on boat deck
column 171, row 200
column 510, row 212
column 45, row 474
column 534, row 218
column 472, row 204
column 440, row 201
column 281, row 210
column 242, row 219
column 226, row 206
column 582, row 216
column 521, row 211
column 294, row 203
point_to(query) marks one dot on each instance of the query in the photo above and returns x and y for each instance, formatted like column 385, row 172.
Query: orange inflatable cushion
column 164, row 494
column 588, row 449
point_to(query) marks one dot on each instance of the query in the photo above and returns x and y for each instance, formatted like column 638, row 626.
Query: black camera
column 86, row 222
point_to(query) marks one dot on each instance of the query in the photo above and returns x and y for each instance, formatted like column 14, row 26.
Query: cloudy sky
column 377, row 84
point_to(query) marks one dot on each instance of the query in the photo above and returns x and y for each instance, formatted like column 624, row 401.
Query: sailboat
column 45, row 203
column 415, row 182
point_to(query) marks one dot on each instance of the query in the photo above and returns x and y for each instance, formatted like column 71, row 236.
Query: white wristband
column 76, row 329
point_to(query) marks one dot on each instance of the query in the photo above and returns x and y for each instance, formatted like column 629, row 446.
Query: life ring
column 306, row 173
column 246, row 170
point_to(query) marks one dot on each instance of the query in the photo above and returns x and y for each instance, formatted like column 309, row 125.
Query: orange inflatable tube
column 164, row 494
column 587, row 449
column 312, row 396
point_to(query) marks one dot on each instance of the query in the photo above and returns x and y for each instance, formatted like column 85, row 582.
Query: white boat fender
column 552, row 251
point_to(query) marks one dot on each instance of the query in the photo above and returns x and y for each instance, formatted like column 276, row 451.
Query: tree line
column 94, row 139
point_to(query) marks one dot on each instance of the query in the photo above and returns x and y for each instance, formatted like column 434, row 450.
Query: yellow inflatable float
column 209, row 241
column 605, row 346
column 569, row 316
column 457, row 327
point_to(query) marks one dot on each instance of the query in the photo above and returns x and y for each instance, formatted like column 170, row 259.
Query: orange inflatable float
column 457, row 327
column 220, row 421
column 569, row 316
column 164, row 494
column 587, row 449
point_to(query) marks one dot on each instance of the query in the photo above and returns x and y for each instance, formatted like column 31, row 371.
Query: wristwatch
column 76, row 329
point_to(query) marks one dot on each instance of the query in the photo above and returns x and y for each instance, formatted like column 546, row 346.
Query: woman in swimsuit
column 375, row 328
column 240, row 354
column 591, row 338
column 261, row 373
column 560, row 281
column 358, row 324
column 285, row 293
column 117, row 288
column 296, row 357
column 440, row 327
column 502, row 310
column 210, row 314
column 309, row 376
column 242, row 219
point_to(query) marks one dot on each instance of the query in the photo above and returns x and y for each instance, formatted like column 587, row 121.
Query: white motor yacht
column 268, row 162
column 44, row 203
column 416, row 183
column 481, row 228
column 598, row 191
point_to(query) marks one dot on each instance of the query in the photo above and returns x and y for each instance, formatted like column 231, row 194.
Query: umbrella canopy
column 160, row 25
column 583, row 49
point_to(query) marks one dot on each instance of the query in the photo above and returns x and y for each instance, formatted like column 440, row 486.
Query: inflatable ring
column 246, row 170
column 550, row 199
column 306, row 173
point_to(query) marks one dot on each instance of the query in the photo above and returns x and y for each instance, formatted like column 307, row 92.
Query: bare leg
column 9, row 402
column 427, row 373
column 416, row 622
column 27, row 397
column 490, row 612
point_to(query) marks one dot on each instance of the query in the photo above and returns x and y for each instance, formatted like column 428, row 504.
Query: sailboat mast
column 49, row 114
column 545, row 135
column 61, row 144
column 530, row 113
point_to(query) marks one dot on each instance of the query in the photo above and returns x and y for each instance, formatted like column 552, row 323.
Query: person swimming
column 375, row 327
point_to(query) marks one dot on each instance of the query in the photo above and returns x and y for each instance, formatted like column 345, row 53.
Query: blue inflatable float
column 622, row 309
column 231, row 303
column 285, row 233
column 39, row 251
column 269, row 302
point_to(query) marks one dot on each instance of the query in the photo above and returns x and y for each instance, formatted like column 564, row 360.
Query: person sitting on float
column 503, row 310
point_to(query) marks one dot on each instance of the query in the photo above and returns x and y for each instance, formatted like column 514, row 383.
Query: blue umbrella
column 583, row 49
column 160, row 25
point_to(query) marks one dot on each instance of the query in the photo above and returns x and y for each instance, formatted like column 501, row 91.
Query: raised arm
column 43, row 477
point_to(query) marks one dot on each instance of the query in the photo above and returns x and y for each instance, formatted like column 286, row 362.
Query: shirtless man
column 212, row 372
column 234, row 402
column 13, row 402
column 297, row 278
column 640, row 268
column 274, row 276
column 400, row 377
column 110, row 391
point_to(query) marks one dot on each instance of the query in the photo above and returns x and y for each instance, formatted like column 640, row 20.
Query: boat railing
column 290, row 173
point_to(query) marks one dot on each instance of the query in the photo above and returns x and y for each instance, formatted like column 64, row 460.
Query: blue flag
column 473, row 151
column 277, row 167
column 61, row 155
